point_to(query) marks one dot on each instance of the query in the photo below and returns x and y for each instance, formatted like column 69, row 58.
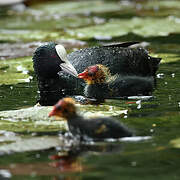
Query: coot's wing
column 124, row 44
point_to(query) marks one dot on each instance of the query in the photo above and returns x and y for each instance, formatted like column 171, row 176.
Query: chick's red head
column 94, row 74
column 64, row 108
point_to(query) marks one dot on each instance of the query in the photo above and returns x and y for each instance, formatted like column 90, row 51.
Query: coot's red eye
column 53, row 56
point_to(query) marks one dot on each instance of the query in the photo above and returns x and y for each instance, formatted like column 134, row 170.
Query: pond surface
column 30, row 143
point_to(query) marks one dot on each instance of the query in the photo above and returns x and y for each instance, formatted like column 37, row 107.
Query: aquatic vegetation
column 31, row 144
column 15, row 71
column 141, row 26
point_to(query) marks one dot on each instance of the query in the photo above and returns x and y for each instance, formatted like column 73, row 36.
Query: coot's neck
column 53, row 89
column 49, row 91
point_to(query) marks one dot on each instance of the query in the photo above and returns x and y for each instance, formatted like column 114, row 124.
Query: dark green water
column 151, row 159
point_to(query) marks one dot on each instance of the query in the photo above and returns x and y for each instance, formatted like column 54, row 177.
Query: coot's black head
column 50, row 59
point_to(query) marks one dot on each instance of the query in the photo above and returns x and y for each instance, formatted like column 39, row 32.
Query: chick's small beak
column 53, row 112
column 83, row 75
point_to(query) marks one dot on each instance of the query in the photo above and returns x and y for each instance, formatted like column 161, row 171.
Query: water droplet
column 38, row 155
column 160, row 75
column 169, row 97
column 133, row 163
column 153, row 125
column 33, row 174
column 139, row 104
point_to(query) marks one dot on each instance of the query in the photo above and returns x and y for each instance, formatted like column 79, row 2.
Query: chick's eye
column 92, row 70
column 90, row 73
column 58, row 107
column 65, row 111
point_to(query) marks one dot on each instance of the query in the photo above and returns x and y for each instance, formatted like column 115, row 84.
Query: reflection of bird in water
column 96, row 128
column 71, row 160
column 66, row 163
column 101, row 84
column 119, row 58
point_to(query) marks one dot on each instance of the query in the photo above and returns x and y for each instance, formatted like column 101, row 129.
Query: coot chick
column 96, row 128
column 119, row 58
column 100, row 84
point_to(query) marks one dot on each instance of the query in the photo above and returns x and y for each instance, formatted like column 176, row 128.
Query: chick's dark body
column 100, row 84
column 97, row 91
column 98, row 128
column 118, row 58
column 131, row 86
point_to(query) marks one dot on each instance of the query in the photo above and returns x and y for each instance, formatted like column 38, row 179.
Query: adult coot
column 54, row 83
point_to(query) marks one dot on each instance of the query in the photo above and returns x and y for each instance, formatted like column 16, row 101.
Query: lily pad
column 7, row 136
column 27, row 114
column 163, row 4
column 15, row 70
column 79, row 7
column 141, row 26
column 175, row 143
column 33, row 119
column 56, row 20
column 31, row 144
column 27, row 35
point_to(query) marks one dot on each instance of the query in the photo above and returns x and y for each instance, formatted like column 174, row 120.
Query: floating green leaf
column 81, row 7
column 175, row 143
column 31, row 144
column 141, row 26
column 15, row 70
